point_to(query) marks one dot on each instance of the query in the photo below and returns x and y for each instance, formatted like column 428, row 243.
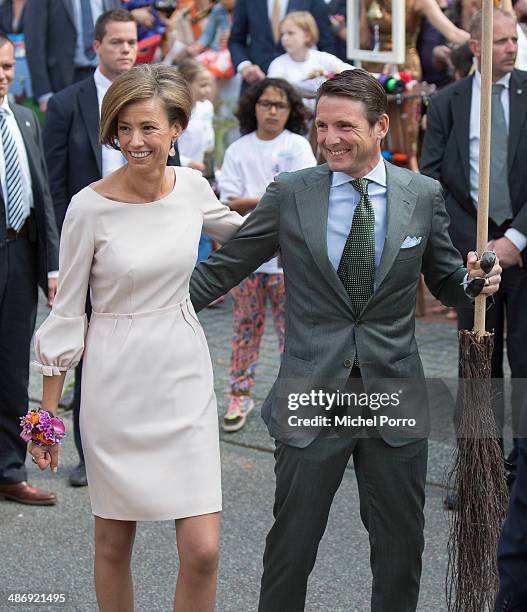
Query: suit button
column 347, row 363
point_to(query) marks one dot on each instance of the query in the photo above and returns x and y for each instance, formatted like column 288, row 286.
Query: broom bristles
column 478, row 476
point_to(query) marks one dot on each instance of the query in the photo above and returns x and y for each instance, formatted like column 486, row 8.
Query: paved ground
column 50, row 549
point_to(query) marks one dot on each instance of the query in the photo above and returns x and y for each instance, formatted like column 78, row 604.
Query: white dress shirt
column 516, row 237
column 343, row 199
column 521, row 59
column 111, row 158
column 25, row 174
column 283, row 8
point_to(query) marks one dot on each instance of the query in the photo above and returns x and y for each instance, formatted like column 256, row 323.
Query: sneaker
column 240, row 406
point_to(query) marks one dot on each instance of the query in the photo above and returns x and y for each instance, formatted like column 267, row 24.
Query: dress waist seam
column 143, row 313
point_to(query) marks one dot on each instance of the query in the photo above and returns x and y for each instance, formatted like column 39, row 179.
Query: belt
column 23, row 232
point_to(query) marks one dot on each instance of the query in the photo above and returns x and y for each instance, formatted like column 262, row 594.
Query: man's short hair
column 476, row 23
column 105, row 18
column 361, row 86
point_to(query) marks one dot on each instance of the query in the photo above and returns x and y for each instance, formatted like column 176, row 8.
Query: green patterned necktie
column 357, row 264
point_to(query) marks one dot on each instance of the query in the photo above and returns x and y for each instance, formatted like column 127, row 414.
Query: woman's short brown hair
column 144, row 82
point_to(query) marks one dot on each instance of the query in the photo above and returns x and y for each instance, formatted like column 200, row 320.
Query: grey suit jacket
column 322, row 333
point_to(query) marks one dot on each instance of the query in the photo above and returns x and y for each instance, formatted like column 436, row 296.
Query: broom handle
column 484, row 150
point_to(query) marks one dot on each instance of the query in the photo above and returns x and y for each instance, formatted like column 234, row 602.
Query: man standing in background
column 451, row 155
column 28, row 258
column 59, row 37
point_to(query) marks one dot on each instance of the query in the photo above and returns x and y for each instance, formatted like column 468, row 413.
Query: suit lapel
column 312, row 204
column 27, row 130
column 68, row 6
column 518, row 112
column 89, row 106
column 461, row 102
column 401, row 201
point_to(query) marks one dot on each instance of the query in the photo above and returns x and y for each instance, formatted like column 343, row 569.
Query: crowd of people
column 122, row 163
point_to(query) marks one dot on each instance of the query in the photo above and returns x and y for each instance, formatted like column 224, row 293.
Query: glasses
column 268, row 104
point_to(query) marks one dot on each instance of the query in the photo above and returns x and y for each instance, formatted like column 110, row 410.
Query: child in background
column 272, row 117
column 198, row 138
column 215, row 35
column 302, row 65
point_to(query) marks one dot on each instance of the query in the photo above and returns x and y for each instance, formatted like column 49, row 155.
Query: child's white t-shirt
column 297, row 73
column 250, row 164
column 198, row 137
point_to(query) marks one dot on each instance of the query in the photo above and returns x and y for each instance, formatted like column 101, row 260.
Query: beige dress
column 148, row 414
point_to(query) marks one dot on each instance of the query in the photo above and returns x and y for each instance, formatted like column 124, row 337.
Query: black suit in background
column 512, row 547
column 24, row 264
column 6, row 18
column 74, row 160
column 51, row 37
column 445, row 157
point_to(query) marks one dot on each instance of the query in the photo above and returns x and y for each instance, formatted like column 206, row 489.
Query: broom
column 478, row 472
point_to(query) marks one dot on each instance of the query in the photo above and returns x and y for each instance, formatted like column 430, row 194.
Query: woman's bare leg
column 198, row 547
column 113, row 553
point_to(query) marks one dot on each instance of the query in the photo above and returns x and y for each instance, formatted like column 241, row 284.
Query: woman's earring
column 172, row 151
column 117, row 143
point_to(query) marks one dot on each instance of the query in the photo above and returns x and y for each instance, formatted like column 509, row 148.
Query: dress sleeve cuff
column 49, row 370
column 59, row 343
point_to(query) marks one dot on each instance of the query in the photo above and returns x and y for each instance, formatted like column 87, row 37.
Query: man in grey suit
column 354, row 235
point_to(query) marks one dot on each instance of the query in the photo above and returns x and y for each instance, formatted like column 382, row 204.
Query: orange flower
column 34, row 418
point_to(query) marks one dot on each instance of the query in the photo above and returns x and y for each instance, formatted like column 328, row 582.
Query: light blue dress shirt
column 343, row 200
column 81, row 61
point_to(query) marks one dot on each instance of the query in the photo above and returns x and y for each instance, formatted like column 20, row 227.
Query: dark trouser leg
column 392, row 495
column 18, row 308
column 306, row 482
column 76, row 411
column 77, row 396
column 514, row 289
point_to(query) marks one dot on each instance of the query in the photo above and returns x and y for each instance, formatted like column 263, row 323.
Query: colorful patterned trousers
column 248, row 323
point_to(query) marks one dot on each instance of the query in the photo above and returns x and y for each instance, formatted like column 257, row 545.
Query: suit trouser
column 507, row 315
column 391, row 483
column 77, row 389
column 512, row 547
column 18, row 310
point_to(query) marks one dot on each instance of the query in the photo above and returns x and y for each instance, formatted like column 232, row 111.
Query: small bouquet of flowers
column 41, row 428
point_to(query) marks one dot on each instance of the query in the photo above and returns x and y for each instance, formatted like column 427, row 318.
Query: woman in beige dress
column 148, row 412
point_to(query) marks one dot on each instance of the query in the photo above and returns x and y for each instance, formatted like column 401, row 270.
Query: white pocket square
column 411, row 241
